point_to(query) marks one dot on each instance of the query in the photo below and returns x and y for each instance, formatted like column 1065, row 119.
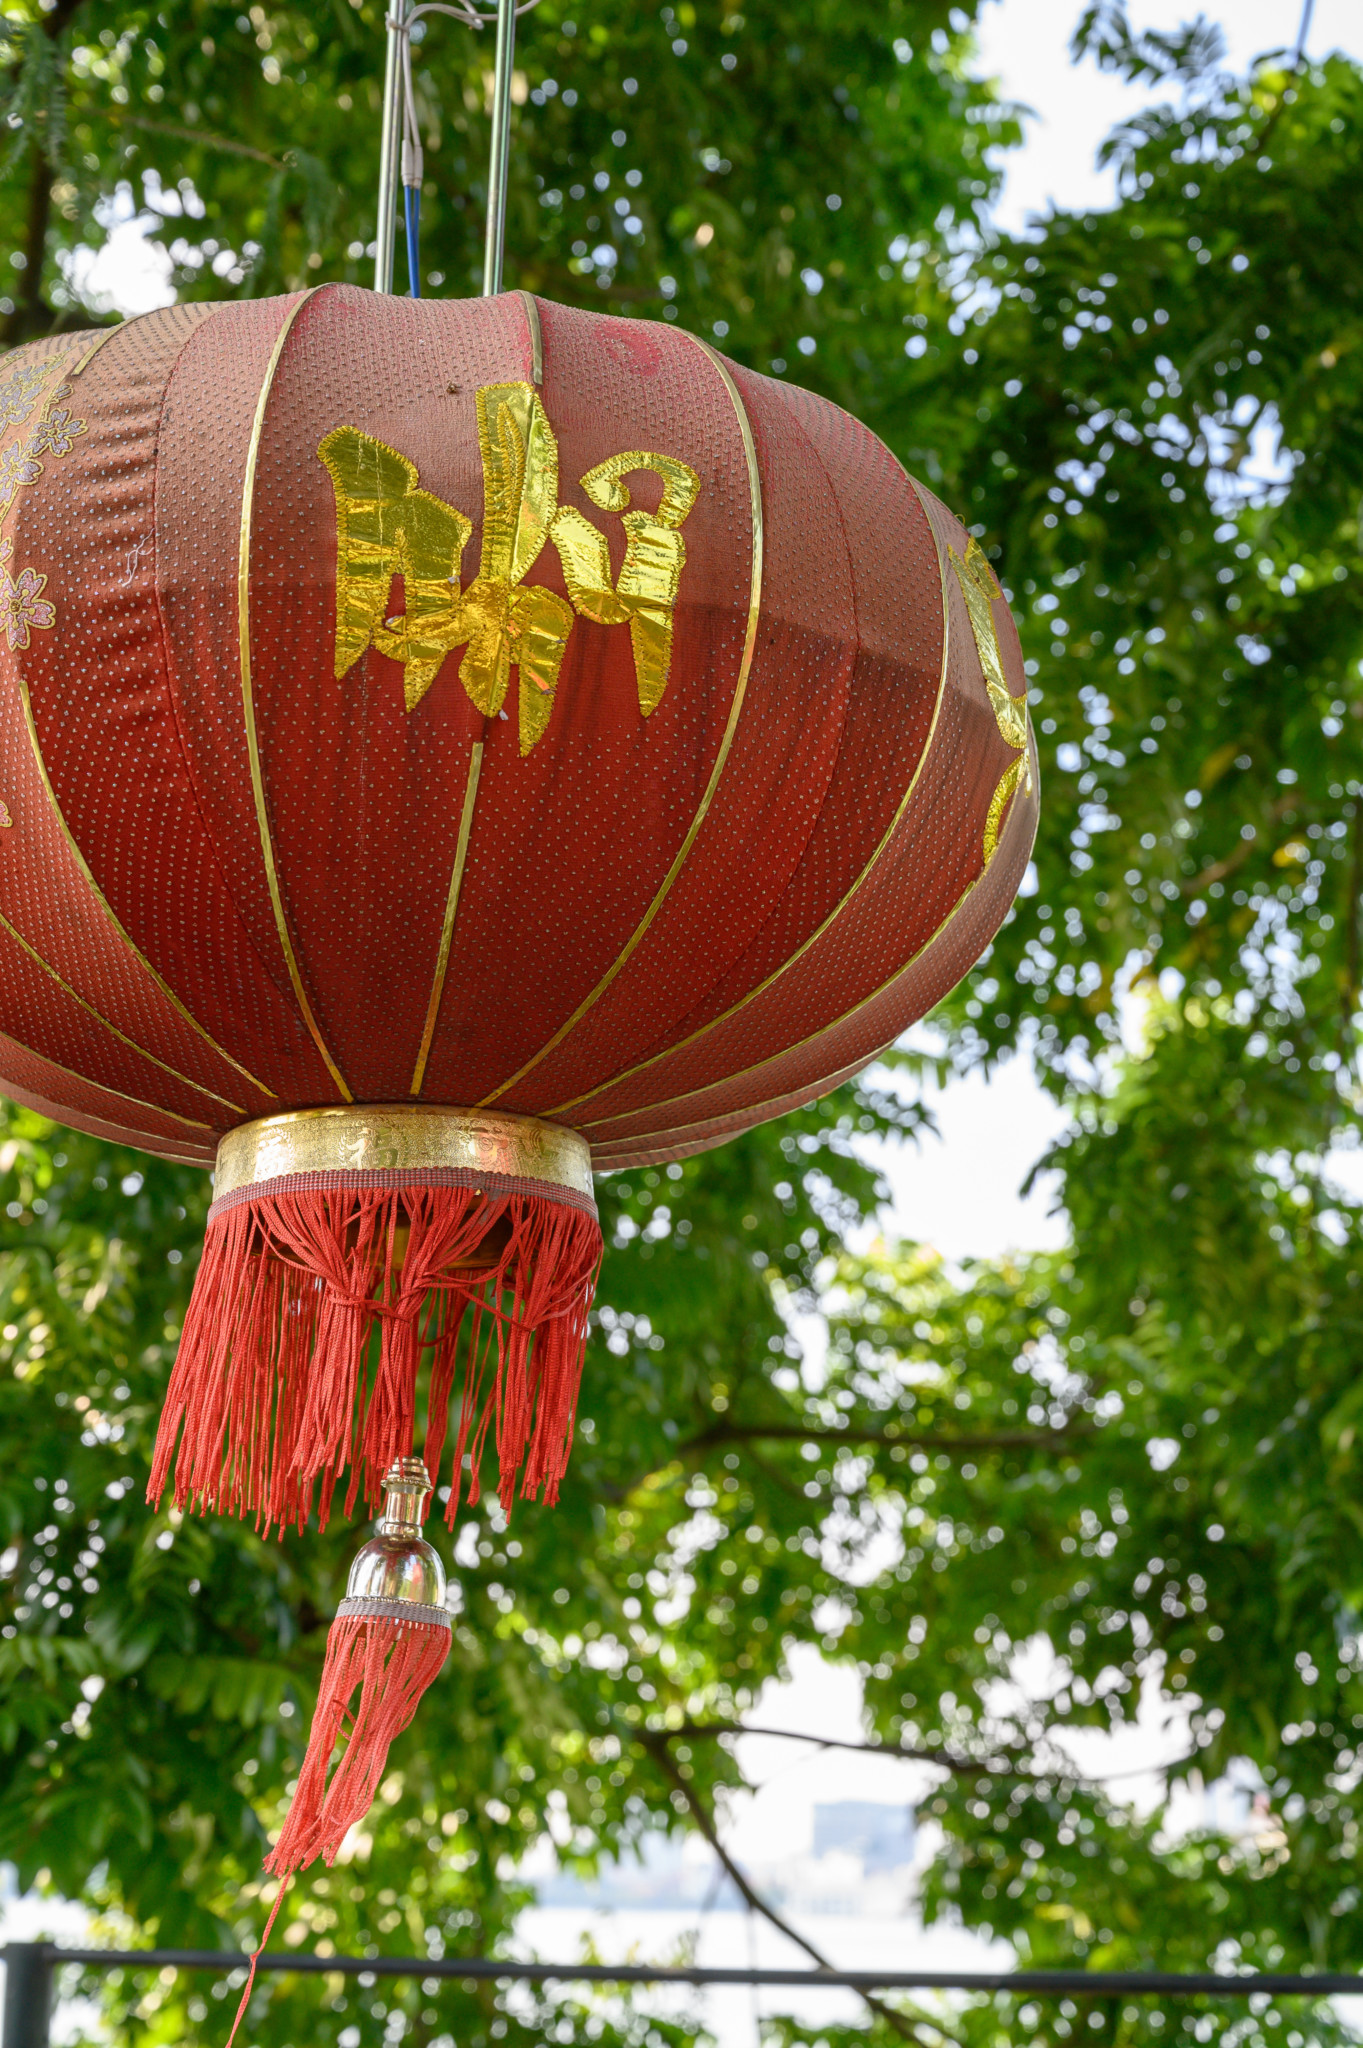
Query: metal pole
column 481, row 1969
column 501, row 148
column 388, row 150
column 28, row 1994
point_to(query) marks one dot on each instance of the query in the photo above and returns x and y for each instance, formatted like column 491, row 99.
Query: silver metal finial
column 397, row 1563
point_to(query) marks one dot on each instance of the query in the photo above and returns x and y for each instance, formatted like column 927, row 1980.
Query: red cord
column 251, row 1973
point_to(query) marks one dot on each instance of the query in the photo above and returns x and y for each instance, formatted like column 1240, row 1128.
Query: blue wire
column 411, row 200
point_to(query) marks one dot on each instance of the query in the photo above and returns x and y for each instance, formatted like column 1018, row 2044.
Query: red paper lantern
column 291, row 877
column 283, row 839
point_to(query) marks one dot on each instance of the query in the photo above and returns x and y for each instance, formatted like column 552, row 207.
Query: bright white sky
column 1024, row 44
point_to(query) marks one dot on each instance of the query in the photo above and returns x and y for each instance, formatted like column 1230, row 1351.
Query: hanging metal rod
column 1017, row 1983
column 495, row 239
column 398, row 26
column 399, row 118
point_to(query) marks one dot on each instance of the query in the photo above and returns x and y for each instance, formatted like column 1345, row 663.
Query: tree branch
column 1348, row 995
column 964, row 1766
column 31, row 315
column 722, row 1431
column 202, row 138
column 656, row 1745
column 1219, row 869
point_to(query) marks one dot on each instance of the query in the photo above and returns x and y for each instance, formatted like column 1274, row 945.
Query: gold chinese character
column 979, row 587
column 651, row 571
column 503, row 621
column 386, row 526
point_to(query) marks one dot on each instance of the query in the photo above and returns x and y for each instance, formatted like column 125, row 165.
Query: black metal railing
column 29, row 1968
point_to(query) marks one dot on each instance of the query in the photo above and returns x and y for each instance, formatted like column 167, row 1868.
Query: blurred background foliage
column 1132, row 1466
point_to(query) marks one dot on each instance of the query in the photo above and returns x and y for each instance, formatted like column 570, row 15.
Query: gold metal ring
column 401, row 1137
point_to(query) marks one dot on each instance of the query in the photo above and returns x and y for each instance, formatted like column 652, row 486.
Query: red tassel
column 277, row 1394
column 392, row 1663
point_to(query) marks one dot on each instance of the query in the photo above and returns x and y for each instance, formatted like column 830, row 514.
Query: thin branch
column 1219, row 869
column 965, row 1766
column 1348, row 995
column 202, row 138
column 722, row 1431
column 656, row 1745
column 776, row 1476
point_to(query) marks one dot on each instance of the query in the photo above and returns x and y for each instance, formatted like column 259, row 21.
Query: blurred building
column 858, row 1862
column 881, row 1836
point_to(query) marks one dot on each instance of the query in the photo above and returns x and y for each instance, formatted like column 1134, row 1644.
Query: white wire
column 411, row 166
column 411, row 130
column 468, row 15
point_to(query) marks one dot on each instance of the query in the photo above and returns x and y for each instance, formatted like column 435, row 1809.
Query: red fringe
column 392, row 1663
column 277, row 1392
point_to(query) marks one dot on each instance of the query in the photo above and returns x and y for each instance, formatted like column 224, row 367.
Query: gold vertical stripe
column 451, row 910
column 248, row 701
column 833, row 1024
column 98, row 343
column 725, row 745
column 532, row 321
column 121, row 1036
column 642, row 1066
column 74, row 850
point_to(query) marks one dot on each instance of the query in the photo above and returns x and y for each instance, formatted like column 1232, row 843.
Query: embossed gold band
column 401, row 1138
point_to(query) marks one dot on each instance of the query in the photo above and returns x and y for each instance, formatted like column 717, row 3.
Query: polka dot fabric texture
column 245, row 875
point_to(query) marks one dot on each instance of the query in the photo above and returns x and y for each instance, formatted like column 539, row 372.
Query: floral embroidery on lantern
column 22, row 605
column 5, row 819
column 19, row 391
column 17, row 466
column 54, row 434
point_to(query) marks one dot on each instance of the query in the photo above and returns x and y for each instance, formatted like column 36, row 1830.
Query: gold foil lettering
column 655, row 555
column 387, row 526
column 979, row 587
column 503, row 622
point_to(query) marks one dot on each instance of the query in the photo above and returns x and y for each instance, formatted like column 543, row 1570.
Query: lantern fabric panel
column 203, row 484
column 897, row 648
column 801, row 1074
column 68, row 1098
column 728, row 868
column 106, row 876
column 899, row 912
